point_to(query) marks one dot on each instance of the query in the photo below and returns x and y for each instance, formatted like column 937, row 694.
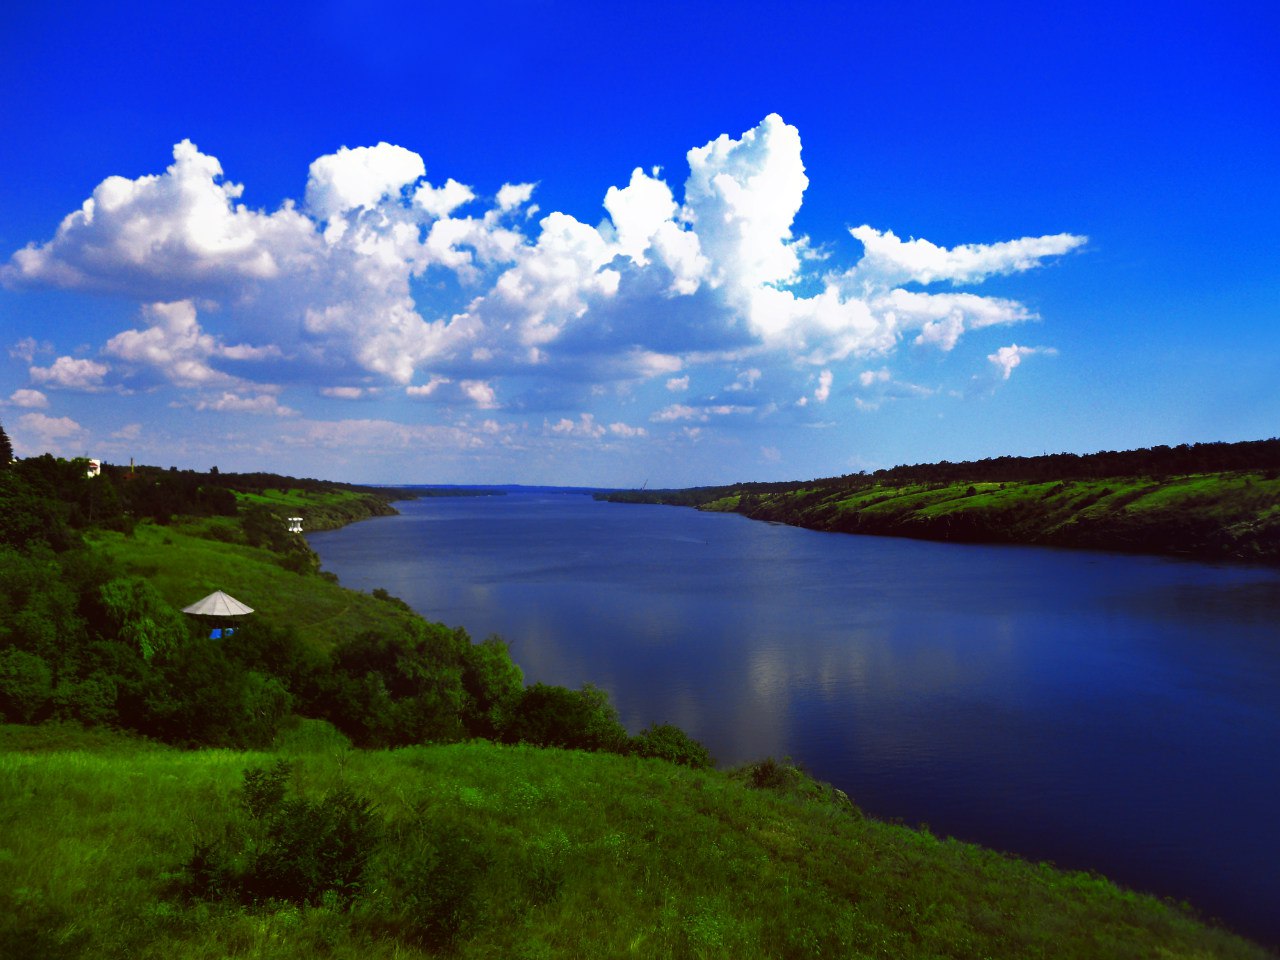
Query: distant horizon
column 645, row 484
column 322, row 244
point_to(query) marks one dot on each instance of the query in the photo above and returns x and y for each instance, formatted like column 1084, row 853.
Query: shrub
column 428, row 887
column 291, row 849
column 548, row 716
column 668, row 742
column 26, row 684
column 492, row 684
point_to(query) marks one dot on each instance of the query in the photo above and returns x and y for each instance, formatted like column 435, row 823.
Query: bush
column 548, row 716
column 291, row 849
column 668, row 742
column 493, row 685
column 428, row 887
column 26, row 684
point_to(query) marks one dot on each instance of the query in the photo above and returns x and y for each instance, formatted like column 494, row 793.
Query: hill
column 117, row 848
column 1209, row 501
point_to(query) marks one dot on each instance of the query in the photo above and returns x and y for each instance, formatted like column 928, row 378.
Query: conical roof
column 218, row 604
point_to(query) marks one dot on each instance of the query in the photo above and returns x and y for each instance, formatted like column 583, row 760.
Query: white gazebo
column 221, row 608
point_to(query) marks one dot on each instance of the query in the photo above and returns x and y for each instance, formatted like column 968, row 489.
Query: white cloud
column 28, row 348
column 130, row 431
column 674, row 411
column 746, row 380
column 442, row 201
column 770, row 454
column 30, row 399
column 824, row 387
column 1007, row 358
column 428, row 388
column 343, row 393
column 888, row 261
column 680, row 411
column 171, row 232
column 357, row 179
column 869, row 377
column 585, row 426
column 365, row 275
column 176, row 347
column 513, row 195
column 67, row 373
column 626, row 430
column 480, row 393
column 37, row 433
column 262, row 403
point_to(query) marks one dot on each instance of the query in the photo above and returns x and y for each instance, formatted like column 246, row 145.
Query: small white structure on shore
column 94, row 469
column 295, row 524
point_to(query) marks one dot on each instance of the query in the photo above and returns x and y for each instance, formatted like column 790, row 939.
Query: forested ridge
column 1208, row 500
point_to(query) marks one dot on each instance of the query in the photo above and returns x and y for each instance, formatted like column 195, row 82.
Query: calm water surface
column 1106, row 712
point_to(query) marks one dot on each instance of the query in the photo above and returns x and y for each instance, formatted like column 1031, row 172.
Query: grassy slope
column 184, row 565
column 587, row 855
column 643, row 858
column 325, row 510
column 1219, row 515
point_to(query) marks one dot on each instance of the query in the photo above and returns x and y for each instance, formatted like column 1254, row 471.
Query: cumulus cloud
column 626, row 430
column 346, row 281
column 480, row 393
column 824, row 386
column 888, row 261
column 38, row 433
column 584, row 426
column 262, row 403
column 1006, row 359
column 68, row 373
column 358, row 179
column 30, row 399
column 174, row 345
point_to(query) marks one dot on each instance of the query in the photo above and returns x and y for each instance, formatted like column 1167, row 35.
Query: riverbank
column 1208, row 516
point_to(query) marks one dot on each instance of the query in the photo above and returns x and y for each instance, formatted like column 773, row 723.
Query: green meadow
column 483, row 850
column 1223, row 515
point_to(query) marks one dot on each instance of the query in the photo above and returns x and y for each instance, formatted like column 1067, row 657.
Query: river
column 1106, row 712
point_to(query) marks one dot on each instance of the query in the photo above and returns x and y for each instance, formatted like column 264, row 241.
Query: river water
column 1106, row 712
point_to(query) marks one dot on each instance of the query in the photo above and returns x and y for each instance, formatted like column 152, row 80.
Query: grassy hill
column 1213, row 516
column 1211, row 501
column 482, row 850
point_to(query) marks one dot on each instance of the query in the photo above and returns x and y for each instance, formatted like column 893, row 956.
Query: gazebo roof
column 218, row 604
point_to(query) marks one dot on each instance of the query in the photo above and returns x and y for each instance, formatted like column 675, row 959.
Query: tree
column 6, row 449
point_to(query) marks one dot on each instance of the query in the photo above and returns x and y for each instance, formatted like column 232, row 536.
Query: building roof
column 218, row 604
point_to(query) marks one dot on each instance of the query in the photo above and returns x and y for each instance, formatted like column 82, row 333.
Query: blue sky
column 683, row 243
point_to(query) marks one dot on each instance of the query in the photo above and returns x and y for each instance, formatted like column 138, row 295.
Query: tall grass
column 491, row 851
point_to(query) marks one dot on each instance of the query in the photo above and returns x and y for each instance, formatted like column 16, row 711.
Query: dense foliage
column 82, row 639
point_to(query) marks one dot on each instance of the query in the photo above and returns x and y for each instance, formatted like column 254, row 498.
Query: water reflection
column 1108, row 712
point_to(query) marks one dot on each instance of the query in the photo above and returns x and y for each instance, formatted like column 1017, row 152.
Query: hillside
column 117, row 848
column 1167, row 501
column 365, row 783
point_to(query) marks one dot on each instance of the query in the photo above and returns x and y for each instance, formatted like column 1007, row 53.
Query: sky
column 663, row 244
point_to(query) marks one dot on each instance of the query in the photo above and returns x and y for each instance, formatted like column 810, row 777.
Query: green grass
column 572, row 855
column 1219, row 515
column 184, row 565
